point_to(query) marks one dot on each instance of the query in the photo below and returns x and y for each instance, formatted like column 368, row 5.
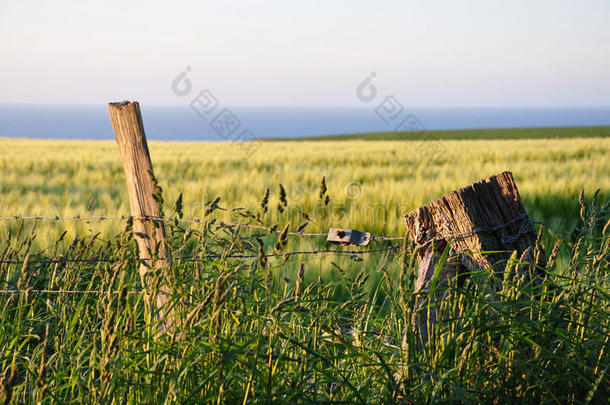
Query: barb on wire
column 384, row 238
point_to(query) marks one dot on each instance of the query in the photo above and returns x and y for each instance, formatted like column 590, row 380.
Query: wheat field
column 371, row 184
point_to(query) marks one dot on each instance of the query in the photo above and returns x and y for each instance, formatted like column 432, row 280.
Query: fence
column 188, row 258
column 459, row 220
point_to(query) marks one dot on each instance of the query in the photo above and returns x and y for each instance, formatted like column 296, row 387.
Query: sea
column 185, row 123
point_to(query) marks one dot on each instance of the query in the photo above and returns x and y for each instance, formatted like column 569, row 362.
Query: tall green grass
column 273, row 328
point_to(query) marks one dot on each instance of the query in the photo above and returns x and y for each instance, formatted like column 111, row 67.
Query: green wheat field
column 256, row 324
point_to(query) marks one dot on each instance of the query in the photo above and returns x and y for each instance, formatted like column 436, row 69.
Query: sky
column 307, row 53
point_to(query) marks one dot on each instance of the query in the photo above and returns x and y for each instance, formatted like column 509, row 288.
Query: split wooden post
column 149, row 233
column 486, row 216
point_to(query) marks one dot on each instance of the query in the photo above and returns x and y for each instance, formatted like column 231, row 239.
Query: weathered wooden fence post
column 149, row 233
column 486, row 216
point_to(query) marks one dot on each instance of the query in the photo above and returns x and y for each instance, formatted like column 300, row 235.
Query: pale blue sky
column 427, row 53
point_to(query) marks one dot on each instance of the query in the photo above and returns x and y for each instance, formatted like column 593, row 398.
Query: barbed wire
column 195, row 258
column 393, row 248
column 75, row 292
column 523, row 230
column 269, row 229
column 71, row 218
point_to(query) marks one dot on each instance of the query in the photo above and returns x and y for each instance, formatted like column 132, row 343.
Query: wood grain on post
column 129, row 132
column 486, row 216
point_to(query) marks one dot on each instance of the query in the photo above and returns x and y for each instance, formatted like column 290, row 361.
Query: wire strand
column 202, row 258
column 164, row 219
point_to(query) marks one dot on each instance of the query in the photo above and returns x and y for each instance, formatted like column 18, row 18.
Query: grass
column 468, row 134
column 248, row 330
column 260, row 329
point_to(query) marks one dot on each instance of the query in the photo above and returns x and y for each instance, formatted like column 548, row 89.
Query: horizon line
column 313, row 106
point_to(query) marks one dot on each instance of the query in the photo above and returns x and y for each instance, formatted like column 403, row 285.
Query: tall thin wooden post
column 149, row 233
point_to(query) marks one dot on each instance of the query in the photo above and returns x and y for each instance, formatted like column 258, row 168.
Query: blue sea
column 182, row 123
